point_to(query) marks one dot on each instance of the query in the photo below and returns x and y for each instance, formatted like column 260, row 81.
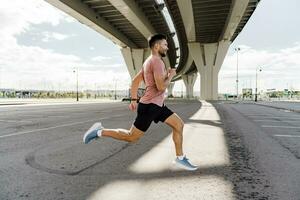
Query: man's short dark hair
column 155, row 38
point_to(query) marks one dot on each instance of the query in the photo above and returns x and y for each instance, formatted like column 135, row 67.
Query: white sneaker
column 92, row 133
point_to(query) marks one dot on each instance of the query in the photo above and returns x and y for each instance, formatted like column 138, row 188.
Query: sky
column 42, row 48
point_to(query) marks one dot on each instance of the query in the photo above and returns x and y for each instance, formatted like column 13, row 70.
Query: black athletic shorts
column 146, row 113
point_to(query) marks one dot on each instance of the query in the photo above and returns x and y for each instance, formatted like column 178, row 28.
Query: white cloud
column 101, row 58
column 33, row 67
column 16, row 16
column 37, row 68
column 48, row 36
column 280, row 69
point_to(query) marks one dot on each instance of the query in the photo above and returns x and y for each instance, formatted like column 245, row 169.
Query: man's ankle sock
column 99, row 133
column 181, row 157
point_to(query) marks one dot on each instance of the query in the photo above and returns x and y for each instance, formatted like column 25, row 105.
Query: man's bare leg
column 131, row 135
column 176, row 123
column 97, row 130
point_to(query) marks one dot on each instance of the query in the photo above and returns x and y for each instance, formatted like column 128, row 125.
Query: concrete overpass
column 204, row 28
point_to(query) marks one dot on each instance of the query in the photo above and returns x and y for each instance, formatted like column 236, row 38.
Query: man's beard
column 162, row 54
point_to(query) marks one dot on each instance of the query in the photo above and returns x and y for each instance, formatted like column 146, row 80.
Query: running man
column 151, row 106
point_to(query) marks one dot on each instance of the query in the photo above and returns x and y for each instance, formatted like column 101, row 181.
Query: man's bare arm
column 135, row 84
column 134, row 88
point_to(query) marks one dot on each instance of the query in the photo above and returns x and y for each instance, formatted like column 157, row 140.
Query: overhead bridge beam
column 133, row 13
column 84, row 14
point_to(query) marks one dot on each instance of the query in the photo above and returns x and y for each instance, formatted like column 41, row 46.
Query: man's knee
column 134, row 138
column 134, row 135
column 175, row 122
column 178, row 127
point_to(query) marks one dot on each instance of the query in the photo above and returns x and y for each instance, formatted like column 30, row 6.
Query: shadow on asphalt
column 217, row 123
column 239, row 173
column 116, row 169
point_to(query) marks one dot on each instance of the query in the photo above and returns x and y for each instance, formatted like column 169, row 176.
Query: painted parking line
column 270, row 120
column 59, row 126
column 57, row 116
column 283, row 117
column 14, row 121
column 288, row 127
column 291, row 136
column 262, row 115
column 44, row 129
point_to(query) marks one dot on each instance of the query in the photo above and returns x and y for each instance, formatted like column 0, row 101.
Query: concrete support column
column 208, row 59
column 134, row 59
column 189, row 62
column 210, row 72
column 170, row 89
column 167, row 62
column 209, row 83
column 189, row 82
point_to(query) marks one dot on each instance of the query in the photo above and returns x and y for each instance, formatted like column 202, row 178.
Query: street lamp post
column 181, row 90
column 256, row 83
column 116, row 82
column 116, row 89
column 77, row 97
column 237, row 71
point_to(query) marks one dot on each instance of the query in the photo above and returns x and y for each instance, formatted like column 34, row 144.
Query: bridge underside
column 205, row 29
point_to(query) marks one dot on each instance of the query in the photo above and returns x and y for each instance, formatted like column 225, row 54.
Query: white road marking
column 289, row 127
column 44, row 129
column 256, row 115
column 32, row 116
column 14, row 121
column 270, row 120
column 54, row 127
column 283, row 117
column 27, row 104
column 297, row 136
column 58, row 116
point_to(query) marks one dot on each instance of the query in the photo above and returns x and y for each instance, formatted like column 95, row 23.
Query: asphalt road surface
column 250, row 152
column 270, row 137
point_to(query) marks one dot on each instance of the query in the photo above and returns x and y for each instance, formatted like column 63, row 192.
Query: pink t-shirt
column 153, row 65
